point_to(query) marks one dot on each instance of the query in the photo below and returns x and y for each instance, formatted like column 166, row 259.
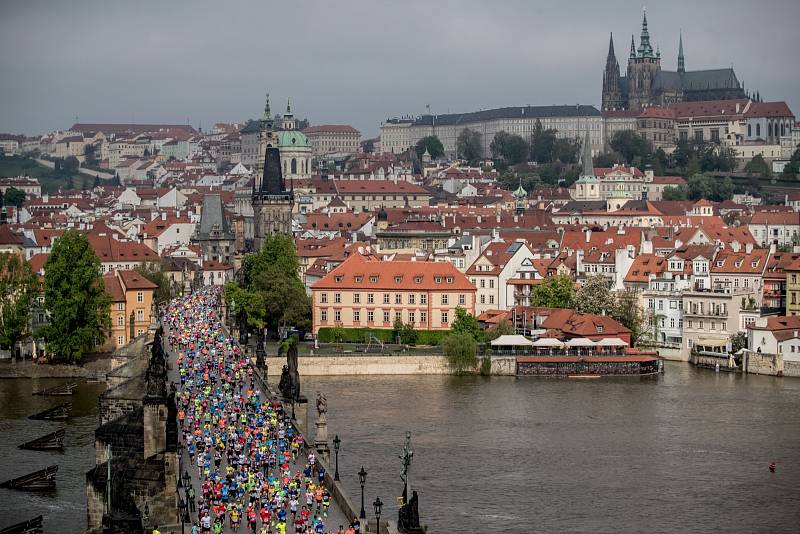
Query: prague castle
column 646, row 84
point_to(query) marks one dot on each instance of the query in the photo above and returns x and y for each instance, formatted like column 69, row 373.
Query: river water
column 686, row 452
column 64, row 509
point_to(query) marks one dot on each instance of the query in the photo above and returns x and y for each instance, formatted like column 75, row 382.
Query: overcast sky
column 359, row 62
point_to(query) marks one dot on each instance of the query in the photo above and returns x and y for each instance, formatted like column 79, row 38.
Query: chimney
column 163, row 215
column 748, row 248
column 588, row 234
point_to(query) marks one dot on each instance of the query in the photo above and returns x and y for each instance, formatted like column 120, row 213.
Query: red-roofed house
column 131, row 306
column 775, row 228
column 365, row 291
column 775, row 342
column 499, row 262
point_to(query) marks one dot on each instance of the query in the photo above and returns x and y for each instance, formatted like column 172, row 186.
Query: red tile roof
column 656, row 112
column 643, row 266
column 134, row 280
column 331, row 128
column 769, row 109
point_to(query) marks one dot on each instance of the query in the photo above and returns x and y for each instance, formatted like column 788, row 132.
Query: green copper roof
column 520, row 192
column 290, row 138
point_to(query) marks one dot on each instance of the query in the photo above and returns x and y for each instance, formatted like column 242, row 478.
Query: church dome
column 292, row 138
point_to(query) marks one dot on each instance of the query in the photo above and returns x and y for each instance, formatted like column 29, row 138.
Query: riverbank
column 91, row 369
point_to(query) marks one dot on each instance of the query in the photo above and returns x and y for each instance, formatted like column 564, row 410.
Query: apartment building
column 131, row 306
column 711, row 317
column 333, row 139
column 366, row 292
column 491, row 272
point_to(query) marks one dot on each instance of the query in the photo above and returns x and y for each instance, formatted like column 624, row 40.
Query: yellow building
column 131, row 306
column 365, row 292
column 793, row 289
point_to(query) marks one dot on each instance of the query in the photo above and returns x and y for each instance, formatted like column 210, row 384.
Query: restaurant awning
column 712, row 341
column 512, row 341
column 548, row 342
column 580, row 342
column 611, row 342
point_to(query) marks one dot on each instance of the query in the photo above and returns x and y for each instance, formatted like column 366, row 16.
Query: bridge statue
column 289, row 384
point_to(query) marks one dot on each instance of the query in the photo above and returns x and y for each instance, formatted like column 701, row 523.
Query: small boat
column 31, row 526
column 42, row 479
column 58, row 412
column 53, row 441
column 61, row 389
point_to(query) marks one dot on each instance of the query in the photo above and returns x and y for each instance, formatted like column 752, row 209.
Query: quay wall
column 370, row 364
column 770, row 364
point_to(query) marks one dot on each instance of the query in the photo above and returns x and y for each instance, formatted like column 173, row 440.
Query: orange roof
column 369, row 272
column 113, row 287
column 644, row 265
column 134, row 280
column 730, row 262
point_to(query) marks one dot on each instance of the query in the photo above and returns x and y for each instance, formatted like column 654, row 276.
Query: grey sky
column 357, row 62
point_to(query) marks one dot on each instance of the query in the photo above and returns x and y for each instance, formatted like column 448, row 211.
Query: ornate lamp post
column 183, row 509
column 362, row 479
column 378, row 504
column 336, row 443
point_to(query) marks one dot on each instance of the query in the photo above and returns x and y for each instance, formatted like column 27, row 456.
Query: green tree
column 792, row 168
column 627, row 311
column 18, row 287
column 758, row 166
column 14, row 197
column 554, row 292
column 469, row 146
column 369, row 146
column 511, row 148
column 594, row 296
column 566, row 151
column 465, row 323
column 542, row 144
column 273, row 295
column 75, row 298
column 70, row 165
column 700, row 186
column 152, row 271
column 674, row 193
column 738, row 342
column 405, row 332
column 433, row 144
column 460, row 350
column 631, row 146
column 502, row 328
column 607, row 159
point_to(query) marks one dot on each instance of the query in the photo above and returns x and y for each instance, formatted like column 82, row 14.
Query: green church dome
column 292, row 138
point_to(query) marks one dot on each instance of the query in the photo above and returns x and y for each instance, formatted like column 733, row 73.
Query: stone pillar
column 321, row 438
column 155, row 435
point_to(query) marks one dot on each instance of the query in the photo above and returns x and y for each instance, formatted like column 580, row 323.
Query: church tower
column 272, row 203
column 681, row 61
column 643, row 67
column 612, row 90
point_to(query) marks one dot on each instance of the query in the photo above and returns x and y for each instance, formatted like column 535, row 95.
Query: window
column 660, row 304
column 438, row 279
column 412, row 298
column 358, row 279
column 423, row 299
column 357, row 316
column 483, row 299
column 386, row 317
column 445, row 299
column 411, row 317
column 398, row 298
column 491, row 299
column 444, row 317
column 713, row 325
column 650, row 303
column 370, row 316
column 120, row 341
column 701, row 325
column 323, row 315
column 140, row 315
column 120, row 320
column 449, row 279
column 398, row 279
column 120, row 306
column 491, row 283
column 370, row 298
column 337, row 278
column 417, row 279
column 356, row 298
column 483, row 283
column 462, row 300
column 672, row 323
column 386, row 298
column 373, row 279
column 423, row 317
column 398, row 316
column 673, row 305
column 337, row 298
column 139, row 296
column 323, row 298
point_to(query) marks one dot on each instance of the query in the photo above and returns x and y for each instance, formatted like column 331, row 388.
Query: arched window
column 749, row 130
column 758, row 130
column 769, row 129
column 294, row 166
column 783, row 129
column 285, row 168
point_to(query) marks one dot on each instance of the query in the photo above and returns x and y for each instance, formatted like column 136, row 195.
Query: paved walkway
column 224, row 413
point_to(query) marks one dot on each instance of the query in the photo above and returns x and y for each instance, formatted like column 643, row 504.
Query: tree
column 404, row 332
column 432, row 144
column 793, row 167
column 738, row 342
column 152, row 271
column 369, row 146
column 511, row 148
column 460, row 350
column 566, row 151
column 18, row 287
column 554, row 292
column 758, row 166
column 464, row 323
column 627, row 311
column 631, row 146
column 469, row 146
column 542, row 144
column 14, row 197
column 75, row 297
column 607, row 159
column 502, row 328
column 273, row 295
column 594, row 296
column 70, row 165
column 700, row 186
column 674, row 193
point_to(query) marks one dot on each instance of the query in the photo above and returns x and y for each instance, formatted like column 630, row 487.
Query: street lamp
column 362, row 478
column 336, row 443
column 186, row 479
column 183, row 508
column 378, row 504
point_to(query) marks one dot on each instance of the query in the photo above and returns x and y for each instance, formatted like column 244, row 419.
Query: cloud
column 353, row 62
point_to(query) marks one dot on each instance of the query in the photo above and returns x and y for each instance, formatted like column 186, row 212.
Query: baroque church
column 646, row 84
column 272, row 202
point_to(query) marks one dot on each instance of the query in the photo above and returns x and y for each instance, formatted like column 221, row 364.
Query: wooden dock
column 59, row 390
column 43, row 479
column 53, row 441
column 31, row 526
column 58, row 412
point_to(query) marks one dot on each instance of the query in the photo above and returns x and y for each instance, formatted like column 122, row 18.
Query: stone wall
column 791, row 369
column 364, row 365
column 763, row 364
column 111, row 409
column 504, row 365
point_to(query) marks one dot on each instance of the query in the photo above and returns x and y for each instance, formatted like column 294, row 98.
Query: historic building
column 213, row 233
column 646, row 84
column 272, row 202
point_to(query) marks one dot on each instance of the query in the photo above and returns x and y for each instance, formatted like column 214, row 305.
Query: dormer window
column 438, row 279
column 337, row 278
column 398, row 279
column 720, row 263
column 599, row 329
column 449, row 279
column 754, row 264
column 417, row 279
column 373, row 279
column 358, row 279
column 738, row 264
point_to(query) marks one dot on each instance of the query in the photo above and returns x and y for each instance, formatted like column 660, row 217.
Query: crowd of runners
column 249, row 459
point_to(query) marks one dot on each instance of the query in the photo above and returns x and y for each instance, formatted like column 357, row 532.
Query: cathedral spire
column 586, row 157
column 611, row 57
column 633, row 48
column 681, row 62
column 267, row 112
column 645, row 49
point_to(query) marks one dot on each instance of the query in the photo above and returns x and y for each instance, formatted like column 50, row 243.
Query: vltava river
column 687, row 452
